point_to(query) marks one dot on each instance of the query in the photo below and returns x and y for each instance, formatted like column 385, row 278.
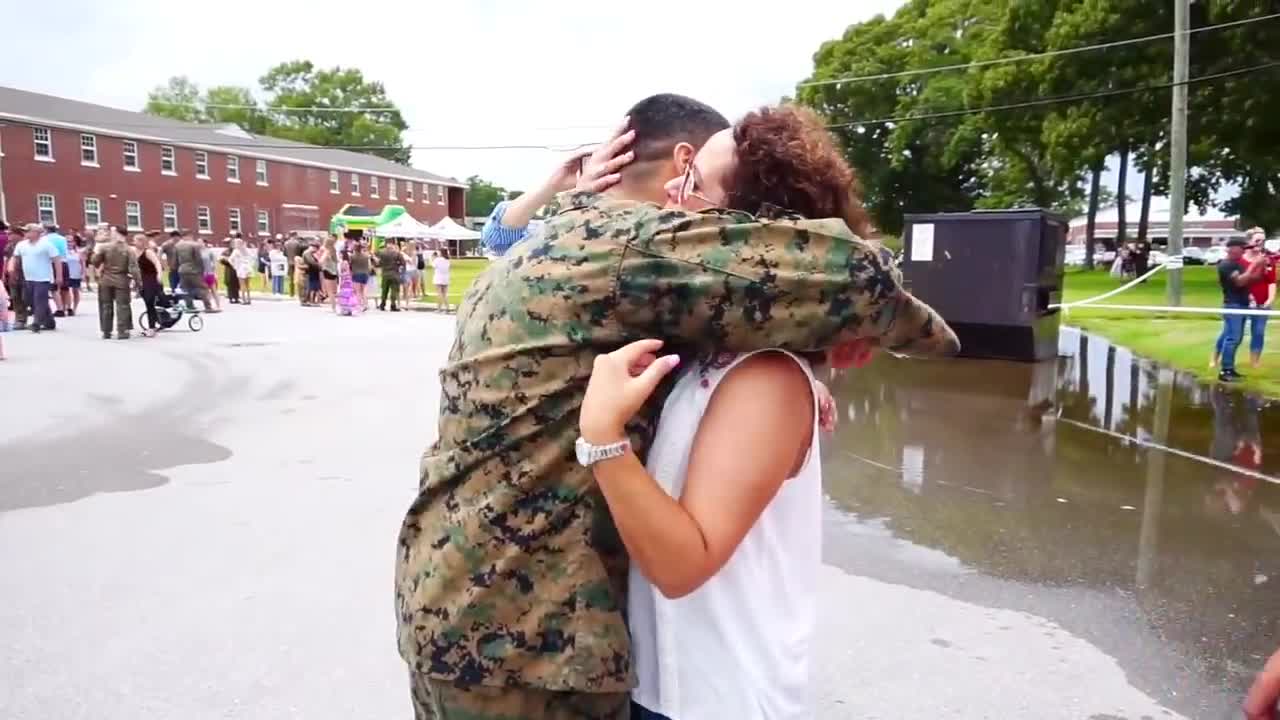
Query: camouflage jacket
column 509, row 570
column 117, row 263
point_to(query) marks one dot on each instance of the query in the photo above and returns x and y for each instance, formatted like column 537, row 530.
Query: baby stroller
column 169, row 311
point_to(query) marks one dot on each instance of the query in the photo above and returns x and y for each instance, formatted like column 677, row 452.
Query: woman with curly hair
column 724, row 523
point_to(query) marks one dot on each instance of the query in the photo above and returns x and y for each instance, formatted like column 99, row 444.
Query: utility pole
column 1178, row 147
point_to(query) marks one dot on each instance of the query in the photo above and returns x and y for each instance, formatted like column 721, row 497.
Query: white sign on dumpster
column 922, row 243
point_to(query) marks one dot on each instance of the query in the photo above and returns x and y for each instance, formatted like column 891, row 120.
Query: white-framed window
column 46, row 209
column 130, row 155
column 170, row 216
column 233, row 220
column 204, row 222
column 426, row 193
column 373, row 186
column 264, row 223
column 89, row 150
column 168, row 161
column 233, row 169
column 391, row 188
column 44, row 143
column 335, row 183
column 92, row 212
column 133, row 214
column 202, row 164
column 355, row 184
column 261, row 172
column 408, row 192
column 439, row 194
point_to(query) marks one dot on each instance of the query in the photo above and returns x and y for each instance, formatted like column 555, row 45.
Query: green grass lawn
column 1180, row 340
column 462, row 273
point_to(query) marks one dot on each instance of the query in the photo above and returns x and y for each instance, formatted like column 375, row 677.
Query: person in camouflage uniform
column 116, row 264
column 510, row 576
column 390, row 262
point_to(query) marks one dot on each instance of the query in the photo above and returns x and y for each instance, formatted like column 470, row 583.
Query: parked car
column 1157, row 257
column 1074, row 256
column 1193, row 256
column 1214, row 255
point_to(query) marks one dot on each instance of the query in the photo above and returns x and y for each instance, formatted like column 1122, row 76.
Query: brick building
column 76, row 164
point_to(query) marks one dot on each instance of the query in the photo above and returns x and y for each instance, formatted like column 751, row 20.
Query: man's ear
column 681, row 155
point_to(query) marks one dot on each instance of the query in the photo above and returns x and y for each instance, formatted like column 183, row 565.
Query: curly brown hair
column 786, row 157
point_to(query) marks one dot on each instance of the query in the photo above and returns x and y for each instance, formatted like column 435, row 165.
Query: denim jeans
column 37, row 297
column 1232, row 335
column 277, row 284
column 1257, row 333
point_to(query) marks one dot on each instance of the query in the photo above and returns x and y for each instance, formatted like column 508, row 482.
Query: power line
column 1020, row 58
column 1058, row 98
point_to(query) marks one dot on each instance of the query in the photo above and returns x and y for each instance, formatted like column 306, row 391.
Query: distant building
column 1211, row 227
column 76, row 164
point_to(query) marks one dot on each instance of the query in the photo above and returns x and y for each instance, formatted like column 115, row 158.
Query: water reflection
column 1098, row 470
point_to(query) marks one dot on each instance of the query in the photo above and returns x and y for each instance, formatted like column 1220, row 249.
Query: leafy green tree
column 377, row 130
column 299, row 84
column 482, row 196
column 179, row 99
column 909, row 166
column 235, row 105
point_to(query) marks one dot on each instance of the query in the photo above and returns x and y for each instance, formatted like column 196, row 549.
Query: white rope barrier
column 1171, row 309
column 1092, row 303
column 1105, row 295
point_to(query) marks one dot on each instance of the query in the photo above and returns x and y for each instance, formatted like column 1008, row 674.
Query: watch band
column 589, row 454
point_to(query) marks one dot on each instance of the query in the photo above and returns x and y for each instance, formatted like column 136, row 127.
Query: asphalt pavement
column 202, row 525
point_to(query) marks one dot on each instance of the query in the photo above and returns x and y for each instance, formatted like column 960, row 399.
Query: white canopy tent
column 404, row 226
column 447, row 229
column 458, row 239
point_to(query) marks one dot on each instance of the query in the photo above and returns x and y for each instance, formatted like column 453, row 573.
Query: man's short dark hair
column 661, row 121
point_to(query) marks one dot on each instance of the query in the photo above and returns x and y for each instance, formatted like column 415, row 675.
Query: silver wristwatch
column 589, row 454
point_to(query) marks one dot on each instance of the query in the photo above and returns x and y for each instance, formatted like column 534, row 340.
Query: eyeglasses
column 689, row 183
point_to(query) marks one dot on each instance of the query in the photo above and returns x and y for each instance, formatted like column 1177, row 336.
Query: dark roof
column 39, row 109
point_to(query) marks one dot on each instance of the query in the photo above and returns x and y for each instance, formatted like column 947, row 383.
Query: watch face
column 583, row 452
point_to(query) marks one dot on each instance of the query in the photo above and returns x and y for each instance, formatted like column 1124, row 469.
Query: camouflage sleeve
column 729, row 281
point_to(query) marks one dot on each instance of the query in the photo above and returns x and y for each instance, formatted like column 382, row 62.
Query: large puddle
column 1097, row 472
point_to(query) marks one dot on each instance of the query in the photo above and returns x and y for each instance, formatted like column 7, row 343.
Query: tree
column 377, row 129
column 179, row 99
column 298, row 84
column 237, row 106
column 482, row 196
column 911, row 166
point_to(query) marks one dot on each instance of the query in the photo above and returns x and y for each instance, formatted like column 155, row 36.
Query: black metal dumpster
column 992, row 274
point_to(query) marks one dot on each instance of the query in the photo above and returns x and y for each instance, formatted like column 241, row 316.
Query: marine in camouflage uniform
column 116, row 264
column 390, row 264
column 510, row 577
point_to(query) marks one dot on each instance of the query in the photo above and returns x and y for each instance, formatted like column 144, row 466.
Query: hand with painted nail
column 602, row 169
column 621, row 381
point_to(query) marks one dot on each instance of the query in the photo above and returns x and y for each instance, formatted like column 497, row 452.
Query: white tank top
column 739, row 646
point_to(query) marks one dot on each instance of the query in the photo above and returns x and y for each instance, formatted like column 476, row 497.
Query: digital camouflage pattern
column 441, row 700
column 509, row 570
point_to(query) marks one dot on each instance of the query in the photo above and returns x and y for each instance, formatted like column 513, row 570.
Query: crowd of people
column 44, row 273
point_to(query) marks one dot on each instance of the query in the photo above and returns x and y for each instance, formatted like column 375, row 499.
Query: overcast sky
column 471, row 72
